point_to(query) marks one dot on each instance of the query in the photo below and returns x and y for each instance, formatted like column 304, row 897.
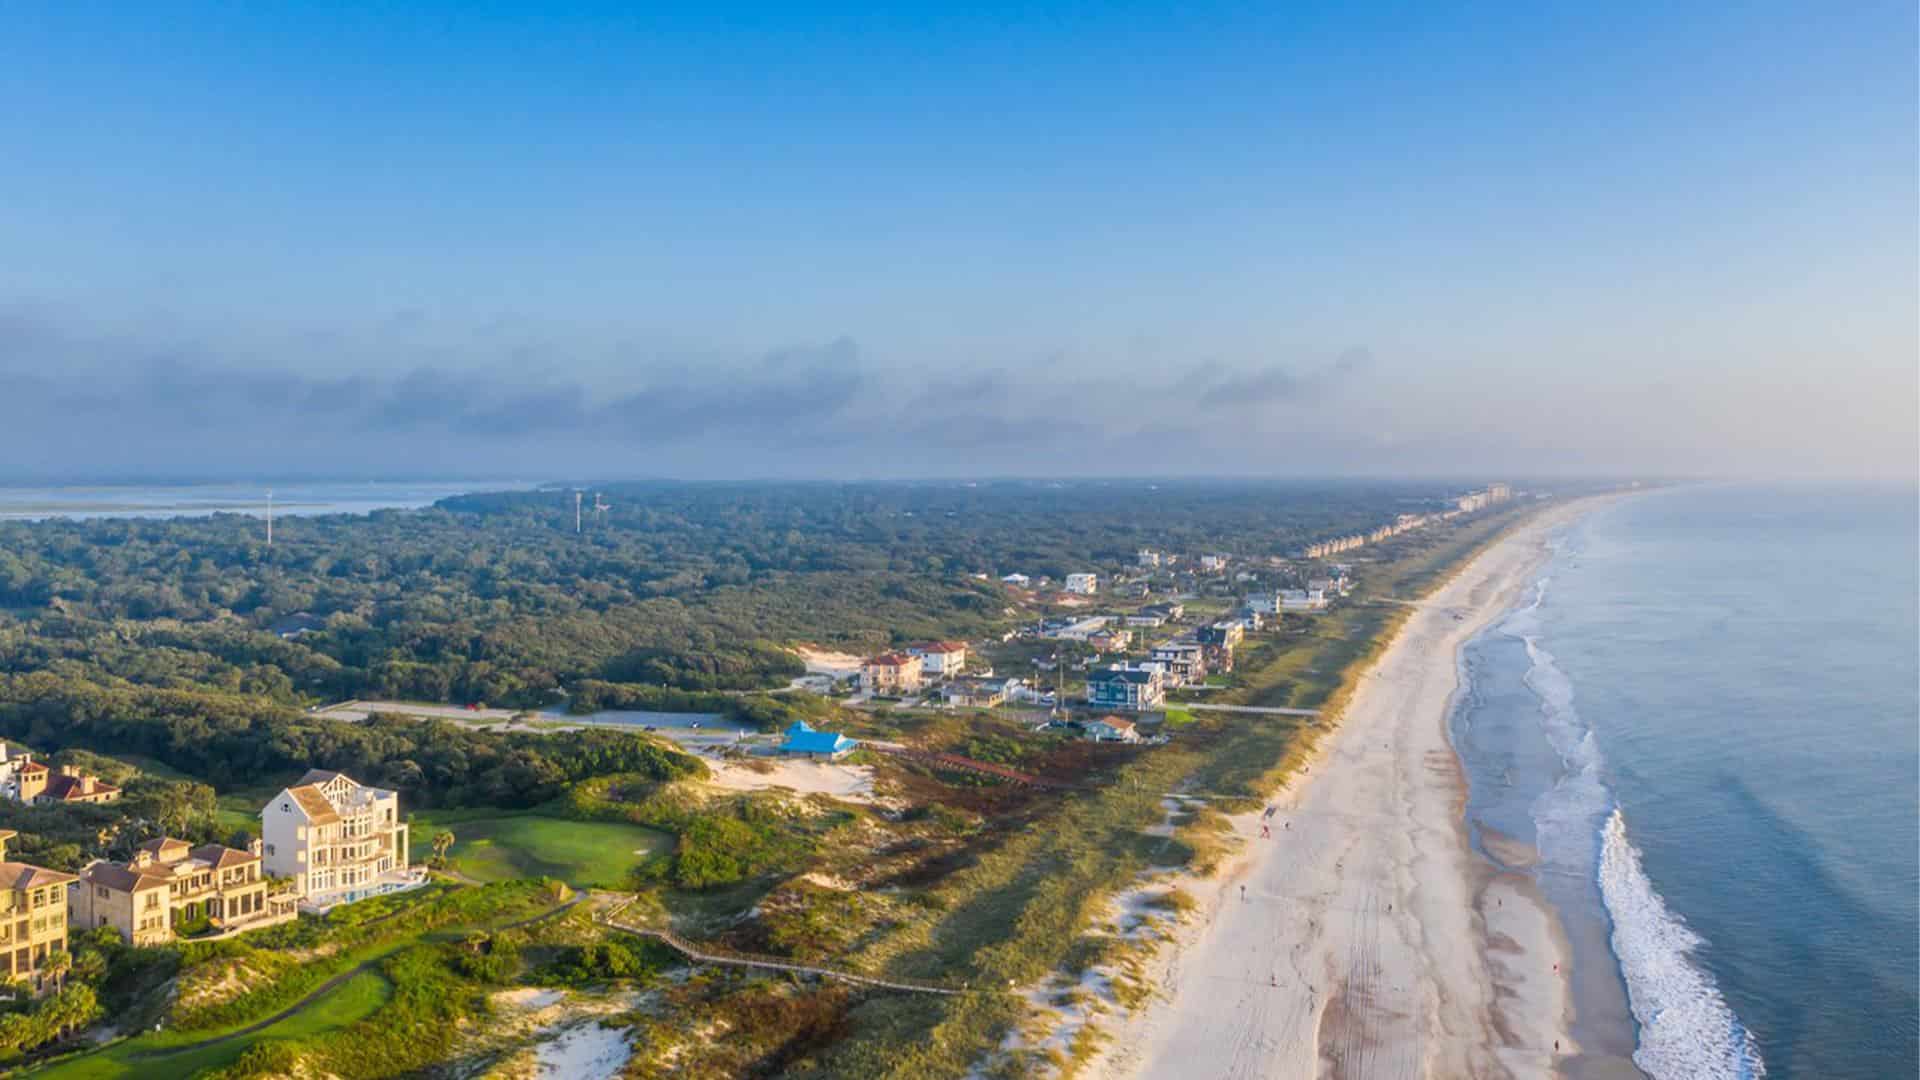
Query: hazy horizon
column 795, row 243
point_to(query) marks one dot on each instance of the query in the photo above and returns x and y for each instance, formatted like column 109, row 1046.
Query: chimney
column 86, row 785
column 254, row 848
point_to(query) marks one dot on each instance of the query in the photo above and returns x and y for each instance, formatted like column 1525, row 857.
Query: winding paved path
column 325, row 988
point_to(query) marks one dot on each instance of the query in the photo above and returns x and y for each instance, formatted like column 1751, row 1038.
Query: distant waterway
column 292, row 499
column 1706, row 717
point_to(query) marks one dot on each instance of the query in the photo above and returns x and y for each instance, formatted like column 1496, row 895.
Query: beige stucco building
column 169, row 883
column 33, row 915
column 892, row 673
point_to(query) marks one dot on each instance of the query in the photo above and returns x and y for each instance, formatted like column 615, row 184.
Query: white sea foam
column 1686, row 1027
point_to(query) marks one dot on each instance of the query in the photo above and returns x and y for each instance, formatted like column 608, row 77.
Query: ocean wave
column 1686, row 1027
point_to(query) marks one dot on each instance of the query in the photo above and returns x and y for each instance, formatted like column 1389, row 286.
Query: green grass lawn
column 351, row 1001
column 501, row 847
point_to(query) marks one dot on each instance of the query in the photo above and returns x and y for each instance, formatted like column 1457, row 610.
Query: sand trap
column 587, row 1052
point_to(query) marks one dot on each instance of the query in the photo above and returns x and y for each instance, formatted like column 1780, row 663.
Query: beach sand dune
column 1370, row 940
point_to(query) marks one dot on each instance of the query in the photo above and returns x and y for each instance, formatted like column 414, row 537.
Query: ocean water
column 290, row 499
column 1705, row 715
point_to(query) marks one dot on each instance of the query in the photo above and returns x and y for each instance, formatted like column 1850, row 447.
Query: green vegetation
column 351, row 1001
column 155, row 642
column 489, row 847
column 225, row 987
column 432, row 763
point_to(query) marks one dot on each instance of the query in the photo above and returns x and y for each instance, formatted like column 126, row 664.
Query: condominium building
column 33, row 915
column 339, row 840
column 893, row 673
column 941, row 659
column 1083, row 584
column 170, row 884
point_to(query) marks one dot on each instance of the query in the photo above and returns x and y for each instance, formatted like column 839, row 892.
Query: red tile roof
column 72, row 788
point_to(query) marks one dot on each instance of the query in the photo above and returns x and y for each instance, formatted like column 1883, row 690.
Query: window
column 269, row 849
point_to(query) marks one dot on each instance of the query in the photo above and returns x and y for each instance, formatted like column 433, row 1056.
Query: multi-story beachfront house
column 1303, row 599
column 33, row 916
column 1126, row 686
column 169, row 883
column 1220, row 639
column 1181, row 663
column 338, row 839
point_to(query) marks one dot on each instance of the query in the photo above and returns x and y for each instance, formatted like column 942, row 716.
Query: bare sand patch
column 852, row 783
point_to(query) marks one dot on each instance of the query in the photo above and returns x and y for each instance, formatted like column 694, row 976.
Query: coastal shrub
column 603, row 961
column 69, row 1010
column 715, row 851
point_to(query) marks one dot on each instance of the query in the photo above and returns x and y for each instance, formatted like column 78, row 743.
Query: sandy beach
column 1365, row 938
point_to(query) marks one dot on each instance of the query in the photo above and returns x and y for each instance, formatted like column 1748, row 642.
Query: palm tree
column 56, row 966
column 442, row 843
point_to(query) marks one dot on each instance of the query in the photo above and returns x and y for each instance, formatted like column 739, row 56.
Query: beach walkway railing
column 707, row 954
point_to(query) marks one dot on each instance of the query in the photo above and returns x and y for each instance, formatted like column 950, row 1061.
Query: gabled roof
column 166, row 848
column 319, row 776
column 122, row 878
column 942, row 647
column 1116, row 723
column 1131, row 675
column 70, row 788
column 313, row 802
column 222, row 857
column 892, row 659
column 19, row 875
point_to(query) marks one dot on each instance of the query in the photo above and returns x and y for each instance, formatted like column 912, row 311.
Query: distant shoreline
column 95, row 501
column 1370, row 932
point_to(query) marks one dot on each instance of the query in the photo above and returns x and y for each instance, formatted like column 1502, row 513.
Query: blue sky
column 941, row 241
